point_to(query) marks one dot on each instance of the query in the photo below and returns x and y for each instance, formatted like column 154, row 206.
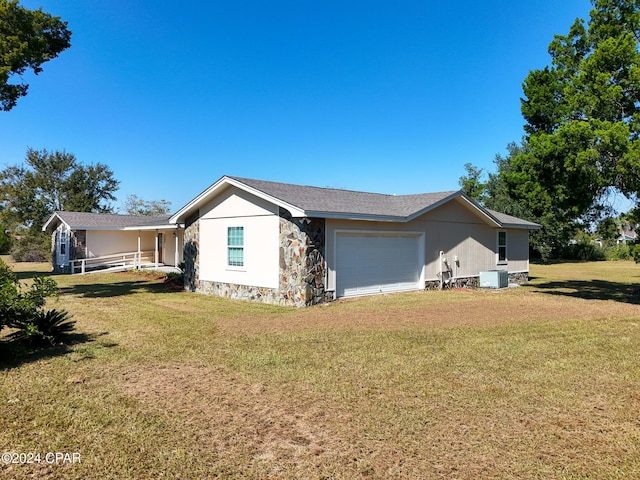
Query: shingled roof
column 106, row 221
column 336, row 201
column 309, row 201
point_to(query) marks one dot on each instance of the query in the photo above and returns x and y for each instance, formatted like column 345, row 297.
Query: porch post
column 156, row 252
column 139, row 253
column 175, row 255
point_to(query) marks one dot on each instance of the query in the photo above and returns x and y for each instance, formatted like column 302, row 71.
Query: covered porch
column 83, row 242
column 151, row 248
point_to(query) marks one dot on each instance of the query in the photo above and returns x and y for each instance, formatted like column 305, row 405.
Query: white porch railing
column 122, row 260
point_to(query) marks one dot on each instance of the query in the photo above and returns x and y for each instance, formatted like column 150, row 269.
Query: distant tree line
column 55, row 181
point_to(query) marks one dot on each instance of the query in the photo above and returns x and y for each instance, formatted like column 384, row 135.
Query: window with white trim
column 235, row 247
column 63, row 242
column 502, row 247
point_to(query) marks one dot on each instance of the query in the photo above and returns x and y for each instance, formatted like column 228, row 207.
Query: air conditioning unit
column 494, row 279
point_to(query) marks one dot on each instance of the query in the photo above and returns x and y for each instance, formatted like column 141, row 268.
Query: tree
column 608, row 230
column 582, row 137
column 471, row 184
column 52, row 182
column 137, row 206
column 28, row 38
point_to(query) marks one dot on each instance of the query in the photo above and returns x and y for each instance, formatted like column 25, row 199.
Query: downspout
column 441, row 254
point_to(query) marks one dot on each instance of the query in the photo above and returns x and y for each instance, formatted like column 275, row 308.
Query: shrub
column 634, row 250
column 32, row 247
column 584, row 250
column 48, row 327
column 20, row 305
column 618, row 252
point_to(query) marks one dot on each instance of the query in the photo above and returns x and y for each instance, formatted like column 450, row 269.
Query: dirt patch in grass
column 242, row 424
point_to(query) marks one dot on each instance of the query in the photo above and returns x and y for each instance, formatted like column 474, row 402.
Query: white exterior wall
column 453, row 228
column 169, row 246
column 236, row 208
column 108, row 242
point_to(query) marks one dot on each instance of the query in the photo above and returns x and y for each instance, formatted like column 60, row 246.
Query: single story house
column 300, row 245
column 89, row 240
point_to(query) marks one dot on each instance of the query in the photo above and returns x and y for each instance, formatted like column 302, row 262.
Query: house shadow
column 14, row 353
column 593, row 290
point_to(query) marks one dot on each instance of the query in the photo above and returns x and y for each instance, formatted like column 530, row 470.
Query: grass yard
column 541, row 381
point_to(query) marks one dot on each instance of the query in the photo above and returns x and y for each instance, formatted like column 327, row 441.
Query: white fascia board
column 118, row 229
column 478, row 209
column 293, row 210
column 50, row 220
column 221, row 184
column 173, row 226
column 184, row 211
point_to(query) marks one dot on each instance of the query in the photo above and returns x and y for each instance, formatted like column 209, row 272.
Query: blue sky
column 389, row 97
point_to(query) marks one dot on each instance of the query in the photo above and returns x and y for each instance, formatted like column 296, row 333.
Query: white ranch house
column 301, row 245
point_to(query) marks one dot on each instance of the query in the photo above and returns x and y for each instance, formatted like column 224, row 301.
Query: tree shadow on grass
column 593, row 290
column 14, row 353
column 32, row 273
column 117, row 289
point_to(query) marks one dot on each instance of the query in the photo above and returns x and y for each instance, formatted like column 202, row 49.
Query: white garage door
column 375, row 263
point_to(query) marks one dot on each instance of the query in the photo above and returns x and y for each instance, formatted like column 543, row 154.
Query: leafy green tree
column 137, row 206
column 582, row 138
column 608, row 231
column 28, row 38
column 471, row 184
column 52, row 182
column 5, row 240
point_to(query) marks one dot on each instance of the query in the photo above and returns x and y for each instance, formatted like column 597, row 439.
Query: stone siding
column 303, row 267
column 191, row 256
column 474, row 282
column 460, row 282
column 519, row 278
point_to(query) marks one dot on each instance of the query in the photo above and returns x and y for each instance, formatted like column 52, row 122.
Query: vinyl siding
column 453, row 228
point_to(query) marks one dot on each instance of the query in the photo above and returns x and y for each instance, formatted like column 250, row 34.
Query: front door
column 63, row 248
column 160, row 244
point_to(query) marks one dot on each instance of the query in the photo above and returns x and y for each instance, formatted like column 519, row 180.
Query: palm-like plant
column 45, row 327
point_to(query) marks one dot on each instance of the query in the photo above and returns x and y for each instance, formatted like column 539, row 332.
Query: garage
column 368, row 263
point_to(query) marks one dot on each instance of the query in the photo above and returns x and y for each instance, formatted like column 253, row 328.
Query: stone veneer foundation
column 473, row 282
column 302, row 269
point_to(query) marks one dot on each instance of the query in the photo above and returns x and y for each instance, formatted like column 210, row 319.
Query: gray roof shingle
column 336, row 201
column 509, row 220
column 84, row 220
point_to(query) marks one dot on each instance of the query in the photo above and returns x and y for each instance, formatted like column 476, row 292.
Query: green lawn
column 541, row 381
